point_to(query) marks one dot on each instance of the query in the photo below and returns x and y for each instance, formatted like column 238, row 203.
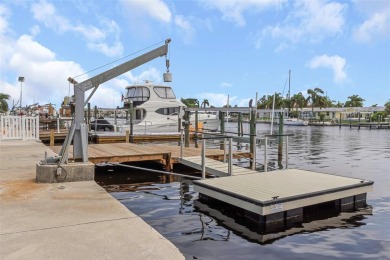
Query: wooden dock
column 281, row 196
column 130, row 152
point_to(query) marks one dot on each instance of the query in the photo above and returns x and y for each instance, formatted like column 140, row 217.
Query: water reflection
column 176, row 202
column 202, row 232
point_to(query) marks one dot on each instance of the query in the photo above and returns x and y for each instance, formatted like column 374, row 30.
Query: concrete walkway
column 78, row 220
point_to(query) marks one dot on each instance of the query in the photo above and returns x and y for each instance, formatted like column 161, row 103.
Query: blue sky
column 219, row 47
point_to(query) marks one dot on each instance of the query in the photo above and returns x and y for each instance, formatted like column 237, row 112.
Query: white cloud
column 233, row 10
column 225, row 85
column 35, row 30
column 309, row 21
column 377, row 26
column 151, row 74
column 156, row 9
column 186, row 27
column 336, row 63
column 6, row 42
column 216, row 99
column 4, row 15
column 45, row 76
column 96, row 37
column 244, row 102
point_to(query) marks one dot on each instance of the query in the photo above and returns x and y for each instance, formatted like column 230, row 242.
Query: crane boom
column 122, row 68
column 79, row 132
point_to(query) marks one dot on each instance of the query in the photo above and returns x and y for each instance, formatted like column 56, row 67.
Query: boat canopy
column 138, row 93
column 164, row 92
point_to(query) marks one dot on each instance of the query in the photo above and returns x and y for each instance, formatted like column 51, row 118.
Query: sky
column 219, row 48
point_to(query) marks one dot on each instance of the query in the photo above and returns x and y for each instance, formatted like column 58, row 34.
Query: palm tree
column 205, row 103
column 298, row 101
column 3, row 102
column 190, row 102
column 387, row 107
column 354, row 101
column 315, row 98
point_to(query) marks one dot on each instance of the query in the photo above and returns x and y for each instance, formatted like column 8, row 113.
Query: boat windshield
column 164, row 92
column 138, row 94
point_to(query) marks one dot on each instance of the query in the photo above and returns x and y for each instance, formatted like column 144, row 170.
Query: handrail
column 203, row 151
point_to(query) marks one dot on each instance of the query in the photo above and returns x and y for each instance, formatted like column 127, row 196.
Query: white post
column 58, row 124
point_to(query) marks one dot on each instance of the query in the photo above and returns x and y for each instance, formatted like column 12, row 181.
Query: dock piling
column 203, row 157
column 280, row 139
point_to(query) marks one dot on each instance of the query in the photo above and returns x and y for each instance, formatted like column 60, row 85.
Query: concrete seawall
column 72, row 220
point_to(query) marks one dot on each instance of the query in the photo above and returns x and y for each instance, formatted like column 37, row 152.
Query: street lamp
column 21, row 80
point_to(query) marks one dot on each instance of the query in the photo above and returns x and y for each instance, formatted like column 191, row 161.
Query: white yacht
column 156, row 110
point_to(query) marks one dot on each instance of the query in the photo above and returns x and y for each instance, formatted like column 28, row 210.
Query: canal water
column 171, row 207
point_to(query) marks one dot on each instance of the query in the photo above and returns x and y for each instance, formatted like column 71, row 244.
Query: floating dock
column 279, row 197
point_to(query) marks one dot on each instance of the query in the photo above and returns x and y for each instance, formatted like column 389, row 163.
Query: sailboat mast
column 289, row 94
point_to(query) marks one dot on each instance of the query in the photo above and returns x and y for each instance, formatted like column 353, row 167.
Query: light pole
column 21, row 80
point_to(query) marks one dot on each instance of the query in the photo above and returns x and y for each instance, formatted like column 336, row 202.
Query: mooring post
column 340, row 121
column 203, row 157
column 254, row 153
column 181, row 142
column 239, row 125
column 265, row 155
column 252, row 133
column 222, row 123
column 230, row 163
column 280, row 138
column 359, row 120
column 131, row 114
column 286, row 151
column 179, row 119
column 196, row 128
column 187, row 129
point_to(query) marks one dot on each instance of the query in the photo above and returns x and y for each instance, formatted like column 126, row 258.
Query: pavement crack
column 63, row 226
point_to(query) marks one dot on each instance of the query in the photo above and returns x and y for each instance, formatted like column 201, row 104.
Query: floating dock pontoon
column 281, row 196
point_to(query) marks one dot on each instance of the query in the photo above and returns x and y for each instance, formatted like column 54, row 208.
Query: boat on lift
column 156, row 110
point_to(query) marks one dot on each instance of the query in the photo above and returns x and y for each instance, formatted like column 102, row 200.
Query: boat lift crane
column 79, row 130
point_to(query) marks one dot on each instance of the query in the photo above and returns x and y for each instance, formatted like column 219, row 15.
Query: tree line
column 315, row 98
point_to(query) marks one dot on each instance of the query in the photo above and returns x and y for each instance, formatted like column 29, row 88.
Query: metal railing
column 213, row 136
